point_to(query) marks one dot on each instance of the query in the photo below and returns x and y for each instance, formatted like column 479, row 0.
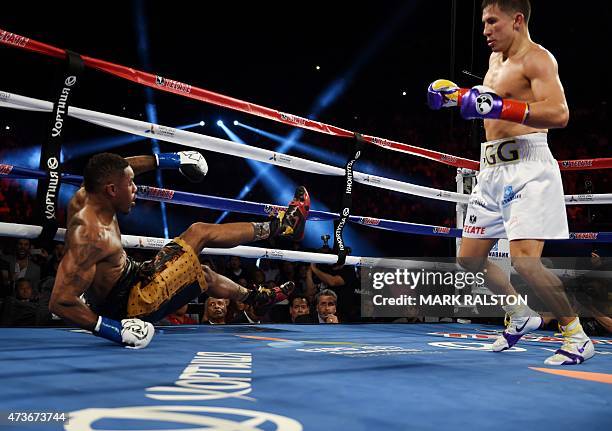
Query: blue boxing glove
column 190, row 163
column 131, row 333
column 483, row 102
column 443, row 93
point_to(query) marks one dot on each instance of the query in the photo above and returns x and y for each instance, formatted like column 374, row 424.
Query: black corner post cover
column 48, row 187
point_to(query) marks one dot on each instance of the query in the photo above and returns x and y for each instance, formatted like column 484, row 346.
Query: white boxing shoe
column 516, row 327
column 577, row 347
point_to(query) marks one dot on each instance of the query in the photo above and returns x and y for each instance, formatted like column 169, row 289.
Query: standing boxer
column 519, row 194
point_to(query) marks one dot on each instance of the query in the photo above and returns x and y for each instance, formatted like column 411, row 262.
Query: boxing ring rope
column 233, row 205
column 199, row 141
column 190, row 91
column 203, row 142
column 153, row 243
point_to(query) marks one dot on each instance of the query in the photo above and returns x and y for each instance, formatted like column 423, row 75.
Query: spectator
column 326, row 306
column 343, row 281
column 242, row 313
column 24, row 309
column 24, row 291
column 21, row 265
column 235, row 271
column 299, row 309
column 215, row 311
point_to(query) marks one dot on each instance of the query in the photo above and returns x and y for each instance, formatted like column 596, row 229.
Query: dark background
column 266, row 53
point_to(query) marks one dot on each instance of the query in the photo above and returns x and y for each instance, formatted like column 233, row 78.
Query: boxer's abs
column 497, row 129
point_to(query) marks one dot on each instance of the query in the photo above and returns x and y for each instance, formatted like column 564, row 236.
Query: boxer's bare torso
column 89, row 233
column 94, row 258
column 510, row 77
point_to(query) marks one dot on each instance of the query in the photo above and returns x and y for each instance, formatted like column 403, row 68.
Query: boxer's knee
column 471, row 263
column 527, row 266
column 198, row 235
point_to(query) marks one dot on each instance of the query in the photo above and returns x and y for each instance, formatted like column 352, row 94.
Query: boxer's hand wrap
column 131, row 333
column 190, row 163
column 482, row 102
column 443, row 93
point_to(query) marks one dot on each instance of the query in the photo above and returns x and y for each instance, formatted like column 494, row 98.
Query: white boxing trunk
column 519, row 193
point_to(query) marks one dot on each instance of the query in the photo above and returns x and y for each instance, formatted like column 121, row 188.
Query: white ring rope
column 196, row 140
column 152, row 243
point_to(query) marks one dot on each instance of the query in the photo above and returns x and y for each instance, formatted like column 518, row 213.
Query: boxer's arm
column 549, row 110
column 74, row 276
column 190, row 163
column 87, row 247
column 142, row 164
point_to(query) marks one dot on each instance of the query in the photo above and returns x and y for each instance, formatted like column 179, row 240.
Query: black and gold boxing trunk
column 155, row 288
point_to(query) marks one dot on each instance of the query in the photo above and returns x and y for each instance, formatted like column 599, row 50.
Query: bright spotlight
column 235, row 122
column 318, row 67
column 8, row 127
column 403, row 93
column 202, row 123
column 219, row 123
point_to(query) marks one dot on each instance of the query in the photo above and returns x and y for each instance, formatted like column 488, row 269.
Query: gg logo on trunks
column 500, row 153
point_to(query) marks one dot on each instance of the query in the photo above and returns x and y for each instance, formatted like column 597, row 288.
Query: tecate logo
column 577, row 163
column 441, row 229
column 584, row 235
column 13, row 39
column 370, row 221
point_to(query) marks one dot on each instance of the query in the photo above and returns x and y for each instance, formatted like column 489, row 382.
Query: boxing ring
column 291, row 377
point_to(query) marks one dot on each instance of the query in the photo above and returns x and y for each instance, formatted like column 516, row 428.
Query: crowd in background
column 323, row 294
